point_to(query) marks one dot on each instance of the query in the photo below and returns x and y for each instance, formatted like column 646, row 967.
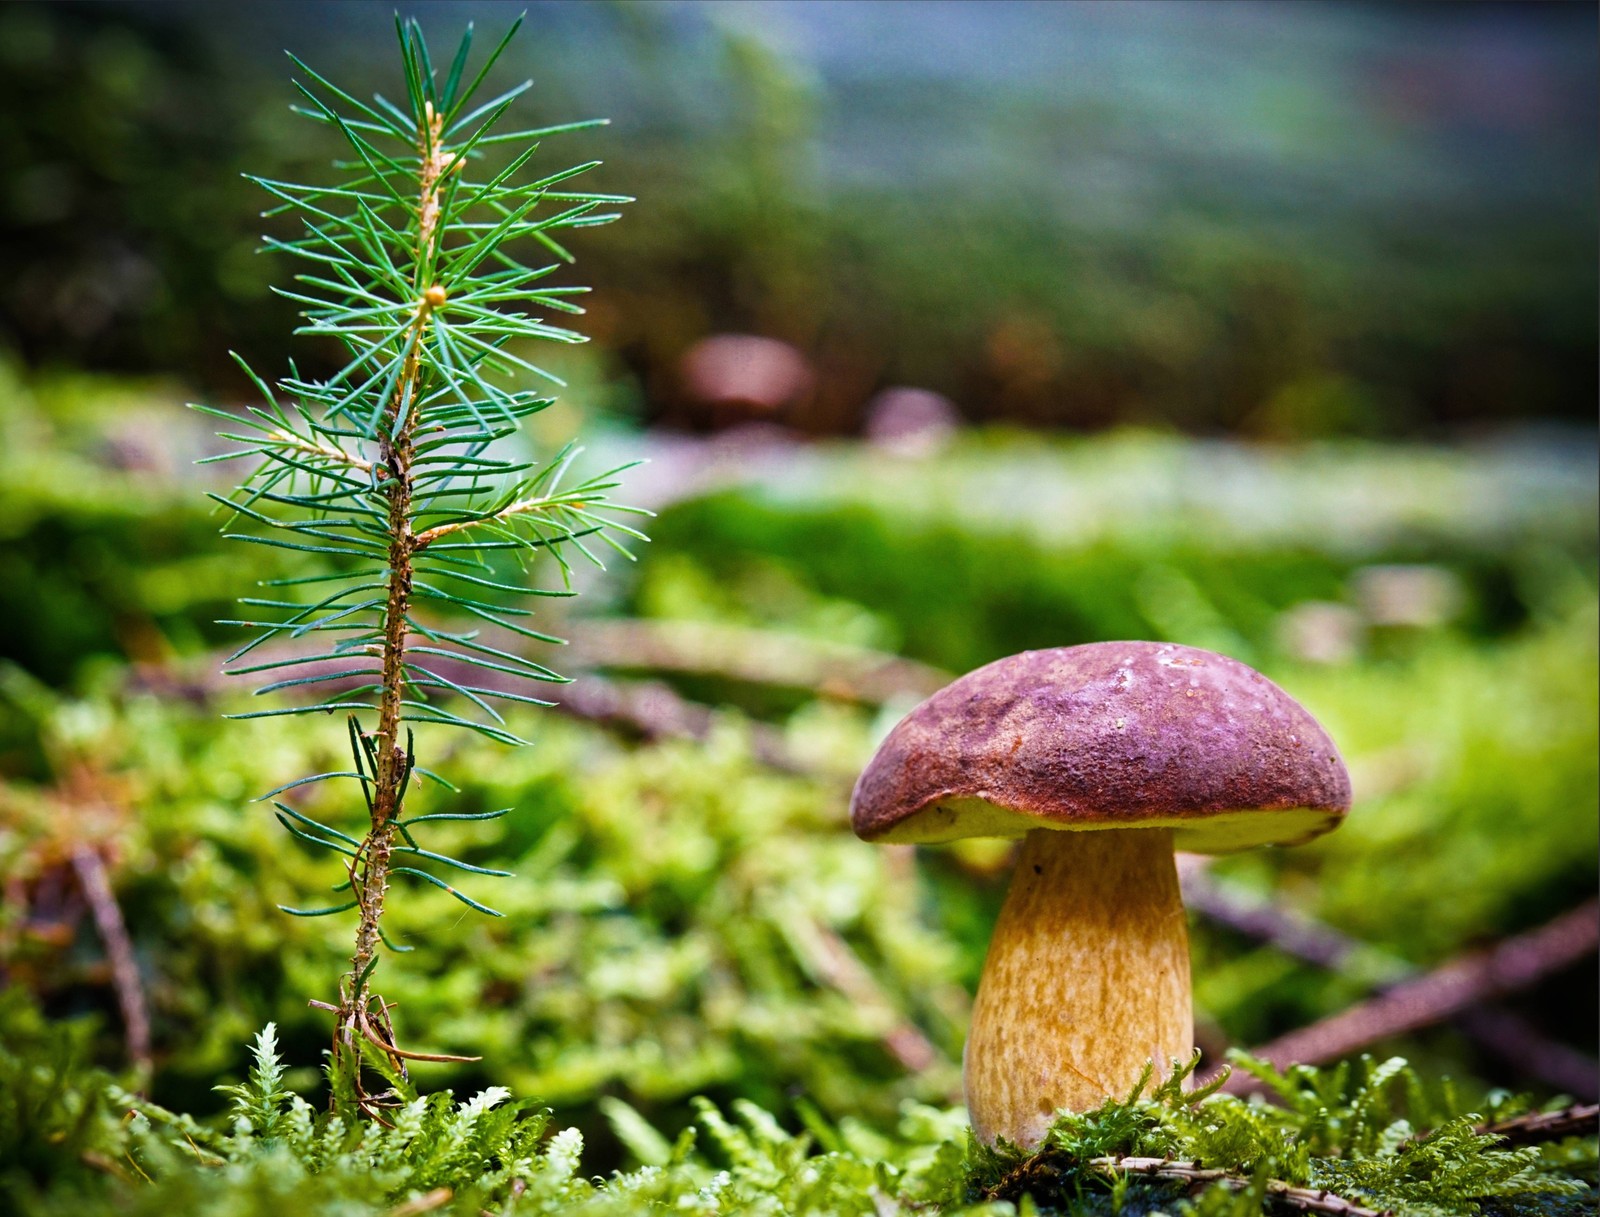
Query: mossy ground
column 688, row 920
column 71, row 1141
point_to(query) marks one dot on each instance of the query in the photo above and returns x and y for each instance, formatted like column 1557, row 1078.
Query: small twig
column 91, row 872
column 1294, row 933
column 840, row 968
column 425, row 1203
column 654, row 710
column 1040, row 1173
column 554, row 502
column 1458, row 985
column 756, row 656
column 1502, row 1031
column 321, row 448
column 1581, row 1120
column 1305, row 1199
column 96, row 1161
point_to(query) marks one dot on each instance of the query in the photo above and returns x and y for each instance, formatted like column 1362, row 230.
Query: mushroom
column 1103, row 758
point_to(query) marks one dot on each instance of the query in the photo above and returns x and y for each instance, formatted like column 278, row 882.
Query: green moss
column 72, row 1142
column 1374, row 1133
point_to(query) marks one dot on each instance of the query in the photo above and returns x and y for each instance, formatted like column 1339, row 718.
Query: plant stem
column 395, row 454
column 1086, row 981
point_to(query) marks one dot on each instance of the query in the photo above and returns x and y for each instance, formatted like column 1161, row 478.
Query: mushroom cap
column 1107, row 735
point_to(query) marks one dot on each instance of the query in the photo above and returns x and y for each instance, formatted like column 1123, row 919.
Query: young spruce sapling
column 431, row 262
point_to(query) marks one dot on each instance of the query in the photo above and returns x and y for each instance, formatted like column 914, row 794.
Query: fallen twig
column 653, row 710
column 1293, row 933
column 1580, row 1120
column 90, row 869
column 1502, row 1031
column 1305, row 1199
column 1039, row 1173
column 1456, row 986
column 756, row 656
column 425, row 1203
column 832, row 961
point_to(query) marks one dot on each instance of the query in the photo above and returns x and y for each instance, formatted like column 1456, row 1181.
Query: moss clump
column 1371, row 1134
column 73, row 1142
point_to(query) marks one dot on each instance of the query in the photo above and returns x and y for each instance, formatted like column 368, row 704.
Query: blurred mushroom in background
column 735, row 378
column 1320, row 631
column 1415, row 597
column 911, row 423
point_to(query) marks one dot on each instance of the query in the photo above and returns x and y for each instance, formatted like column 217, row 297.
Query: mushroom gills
column 1086, row 981
column 1221, row 832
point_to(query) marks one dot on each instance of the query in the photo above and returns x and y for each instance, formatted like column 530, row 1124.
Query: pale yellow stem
column 1086, row 980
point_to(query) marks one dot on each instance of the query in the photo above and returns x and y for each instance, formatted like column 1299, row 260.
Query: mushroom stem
column 1086, row 980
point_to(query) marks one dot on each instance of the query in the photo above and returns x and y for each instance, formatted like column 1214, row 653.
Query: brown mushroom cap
column 1107, row 735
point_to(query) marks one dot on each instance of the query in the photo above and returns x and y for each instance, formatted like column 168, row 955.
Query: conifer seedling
column 432, row 260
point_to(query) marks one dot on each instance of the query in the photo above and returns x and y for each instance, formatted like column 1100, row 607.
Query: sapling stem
column 395, row 453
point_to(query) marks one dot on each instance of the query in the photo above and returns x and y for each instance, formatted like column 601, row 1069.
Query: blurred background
column 950, row 330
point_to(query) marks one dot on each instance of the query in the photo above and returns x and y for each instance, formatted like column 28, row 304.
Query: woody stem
column 395, row 455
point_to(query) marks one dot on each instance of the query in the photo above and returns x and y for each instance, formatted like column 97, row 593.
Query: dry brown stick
column 1502, row 1031
column 91, row 872
column 1305, row 1199
column 425, row 1203
column 1039, row 1172
column 756, row 656
column 1580, row 1120
column 1431, row 998
column 835, row 964
column 1293, row 933
column 1531, row 1053
column 655, row 711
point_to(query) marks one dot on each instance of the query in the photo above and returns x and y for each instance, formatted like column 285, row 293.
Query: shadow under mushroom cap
column 1107, row 735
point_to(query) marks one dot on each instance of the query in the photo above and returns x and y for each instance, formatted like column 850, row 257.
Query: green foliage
column 1472, row 740
column 686, row 921
column 1374, row 1133
column 258, row 1102
column 388, row 469
column 1129, row 536
column 95, row 524
column 50, row 1121
column 1353, row 1129
column 677, row 923
column 1474, row 761
column 451, row 1157
column 677, row 926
